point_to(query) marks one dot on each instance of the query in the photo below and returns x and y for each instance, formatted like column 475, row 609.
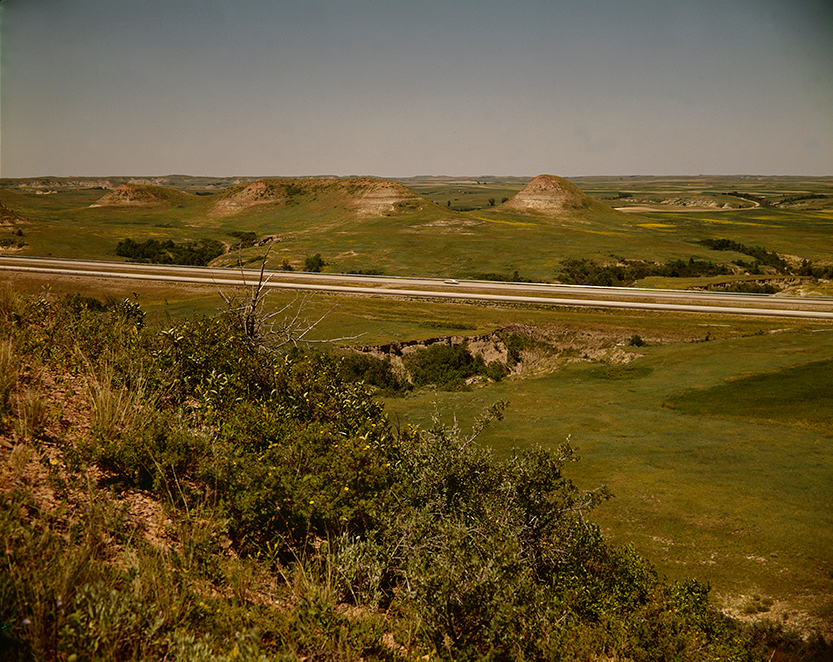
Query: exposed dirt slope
column 9, row 216
column 140, row 195
column 373, row 197
column 543, row 349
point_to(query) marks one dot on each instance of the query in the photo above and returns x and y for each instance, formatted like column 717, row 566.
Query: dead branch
column 271, row 331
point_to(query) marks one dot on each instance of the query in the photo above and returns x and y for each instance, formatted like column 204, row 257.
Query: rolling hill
column 363, row 196
column 553, row 196
column 141, row 195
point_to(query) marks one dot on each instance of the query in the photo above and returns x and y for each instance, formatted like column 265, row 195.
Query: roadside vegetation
column 627, row 272
column 192, row 253
column 181, row 493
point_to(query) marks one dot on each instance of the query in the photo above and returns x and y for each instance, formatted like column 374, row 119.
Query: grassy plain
column 720, row 466
column 443, row 242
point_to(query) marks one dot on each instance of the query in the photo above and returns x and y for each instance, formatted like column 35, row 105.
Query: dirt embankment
column 524, row 350
column 490, row 347
column 9, row 216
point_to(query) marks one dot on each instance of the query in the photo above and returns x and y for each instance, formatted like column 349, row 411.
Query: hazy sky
column 404, row 87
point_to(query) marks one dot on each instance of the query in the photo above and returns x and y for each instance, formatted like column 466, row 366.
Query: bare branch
column 270, row 331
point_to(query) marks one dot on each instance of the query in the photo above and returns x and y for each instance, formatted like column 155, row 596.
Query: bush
column 762, row 255
column 588, row 272
column 746, row 288
column 374, row 372
column 314, row 263
column 244, row 239
column 198, row 254
column 636, row 341
column 447, row 366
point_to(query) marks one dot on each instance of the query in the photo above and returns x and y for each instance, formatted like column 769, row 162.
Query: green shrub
column 9, row 372
column 156, row 452
column 746, row 288
column 373, row 371
column 198, row 254
column 314, row 263
column 762, row 255
column 307, row 462
column 626, row 272
column 446, row 366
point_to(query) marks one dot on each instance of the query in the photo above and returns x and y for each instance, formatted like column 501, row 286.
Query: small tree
column 314, row 263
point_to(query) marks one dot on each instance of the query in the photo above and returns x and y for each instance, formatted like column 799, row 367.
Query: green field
column 719, row 453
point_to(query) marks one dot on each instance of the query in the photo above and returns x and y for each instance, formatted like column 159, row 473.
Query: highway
column 819, row 308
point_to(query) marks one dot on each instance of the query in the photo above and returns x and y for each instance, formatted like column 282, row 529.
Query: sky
column 398, row 88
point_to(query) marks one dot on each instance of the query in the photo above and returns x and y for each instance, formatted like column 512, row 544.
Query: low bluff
column 9, row 216
column 522, row 349
column 140, row 195
column 490, row 347
column 363, row 196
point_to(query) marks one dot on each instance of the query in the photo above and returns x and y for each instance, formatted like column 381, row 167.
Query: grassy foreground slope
column 188, row 496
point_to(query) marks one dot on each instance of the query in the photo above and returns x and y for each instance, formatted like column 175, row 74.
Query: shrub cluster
column 448, row 367
column 314, row 263
column 762, row 256
column 244, row 238
column 442, row 366
column 514, row 277
column 197, row 254
column 807, row 268
column 746, row 288
column 588, row 272
column 292, row 502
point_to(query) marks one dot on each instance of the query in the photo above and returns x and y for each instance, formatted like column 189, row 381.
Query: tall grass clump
column 9, row 370
column 32, row 413
column 113, row 406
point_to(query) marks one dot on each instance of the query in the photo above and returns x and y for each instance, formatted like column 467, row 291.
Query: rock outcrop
column 490, row 347
column 373, row 197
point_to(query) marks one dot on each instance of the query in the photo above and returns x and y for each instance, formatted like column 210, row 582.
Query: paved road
column 820, row 308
